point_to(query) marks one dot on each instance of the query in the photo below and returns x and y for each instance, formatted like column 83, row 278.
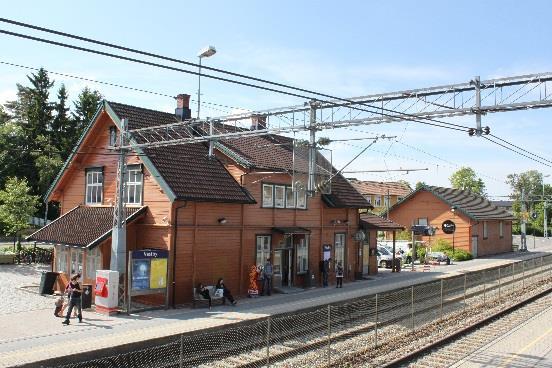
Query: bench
column 199, row 298
column 7, row 258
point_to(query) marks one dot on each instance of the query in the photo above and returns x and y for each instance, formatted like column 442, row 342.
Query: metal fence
column 321, row 336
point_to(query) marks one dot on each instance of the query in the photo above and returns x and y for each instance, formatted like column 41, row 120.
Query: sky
column 345, row 48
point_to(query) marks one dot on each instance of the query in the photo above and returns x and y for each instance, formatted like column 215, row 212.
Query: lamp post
column 453, row 210
column 545, row 227
column 204, row 53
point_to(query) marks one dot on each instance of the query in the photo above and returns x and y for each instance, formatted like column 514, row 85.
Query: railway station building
column 216, row 215
column 481, row 227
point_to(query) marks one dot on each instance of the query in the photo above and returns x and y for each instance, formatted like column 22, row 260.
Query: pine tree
column 63, row 127
column 85, row 108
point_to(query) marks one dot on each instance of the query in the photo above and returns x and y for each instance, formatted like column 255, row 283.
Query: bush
column 421, row 253
column 461, row 255
column 442, row 245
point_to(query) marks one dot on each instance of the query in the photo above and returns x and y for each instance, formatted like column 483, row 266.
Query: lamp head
column 207, row 52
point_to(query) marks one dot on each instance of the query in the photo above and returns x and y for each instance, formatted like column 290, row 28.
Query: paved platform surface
column 29, row 332
column 527, row 345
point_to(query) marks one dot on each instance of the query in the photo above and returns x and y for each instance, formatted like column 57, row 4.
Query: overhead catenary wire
column 405, row 116
column 519, row 153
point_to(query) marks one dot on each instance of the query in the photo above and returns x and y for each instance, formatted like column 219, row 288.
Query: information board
column 149, row 269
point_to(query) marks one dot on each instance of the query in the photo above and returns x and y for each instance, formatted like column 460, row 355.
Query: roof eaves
column 74, row 151
column 145, row 159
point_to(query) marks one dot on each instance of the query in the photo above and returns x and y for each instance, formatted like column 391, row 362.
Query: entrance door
column 283, row 267
column 365, row 258
column 277, row 268
column 474, row 246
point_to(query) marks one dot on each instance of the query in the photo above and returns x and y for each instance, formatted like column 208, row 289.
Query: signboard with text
column 149, row 269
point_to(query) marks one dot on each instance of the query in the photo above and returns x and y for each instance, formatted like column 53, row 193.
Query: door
column 474, row 246
column 365, row 258
column 277, row 268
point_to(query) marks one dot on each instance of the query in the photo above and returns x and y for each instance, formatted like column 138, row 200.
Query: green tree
column 85, row 108
column 16, row 206
column 4, row 117
column 466, row 179
column 12, row 157
column 63, row 127
column 420, row 184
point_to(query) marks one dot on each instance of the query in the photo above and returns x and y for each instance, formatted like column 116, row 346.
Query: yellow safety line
column 526, row 347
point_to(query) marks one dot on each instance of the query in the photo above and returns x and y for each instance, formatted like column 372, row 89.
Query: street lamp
column 204, row 53
column 545, row 227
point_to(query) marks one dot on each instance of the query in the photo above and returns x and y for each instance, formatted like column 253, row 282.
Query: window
column 94, row 186
column 399, row 199
column 501, row 229
column 377, row 201
column 133, row 184
column 268, row 198
column 76, row 261
column 283, row 196
column 290, row 197
column 62, row 254
column 385, row 200
column 263, row 249
column 112, row 136
column 93, row 262
column 422, row 221
column 369, row 199
column 303, row 255
column 485, row 230
column 279, row 196
column 302, row 198
column 340, row 249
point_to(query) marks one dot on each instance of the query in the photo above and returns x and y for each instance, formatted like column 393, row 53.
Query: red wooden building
column 481, row 227
column 216, row 215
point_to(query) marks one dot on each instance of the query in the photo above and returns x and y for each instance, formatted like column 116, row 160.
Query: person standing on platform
column 326, row 271
column 267, row 277
column 339, row 275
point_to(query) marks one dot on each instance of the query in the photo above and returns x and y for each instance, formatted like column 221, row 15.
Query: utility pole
column 545, row 227
column 477, row 84
column 523, row 220
column 311, row 185
column 118, row 238
column 387, row 212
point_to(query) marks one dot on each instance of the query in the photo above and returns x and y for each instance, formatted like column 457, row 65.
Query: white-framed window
column 93, row 262
column 268, row 195
column 485, row 230
column 303, row 255
column 76, row 261
column 94, row 186
column 422, row 221
column 133, row 184
column 368, row 199
column 279, row 196
column 377, row 201
column 385, row 200
column 263, row 249
column 302, row 198
column 501, row 229
column 290, row 197
column 62, row 259
column 339, row 249
column 112, row 136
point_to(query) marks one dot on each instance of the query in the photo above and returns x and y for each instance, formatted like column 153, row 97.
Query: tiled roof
column 380, row 188
column 187, row 168
column 273, row 152
column 83, row 226
column 472, row 205
column 371, row 221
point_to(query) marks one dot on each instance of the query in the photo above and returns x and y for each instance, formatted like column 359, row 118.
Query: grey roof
column 471, row 204
column 503, row 203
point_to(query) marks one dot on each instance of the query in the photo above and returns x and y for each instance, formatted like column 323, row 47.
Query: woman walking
column 75, row 293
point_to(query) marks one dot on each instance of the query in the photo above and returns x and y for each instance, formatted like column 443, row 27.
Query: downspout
column 174, row 252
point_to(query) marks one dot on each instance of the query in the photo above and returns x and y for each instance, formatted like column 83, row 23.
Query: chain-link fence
column 321, row 336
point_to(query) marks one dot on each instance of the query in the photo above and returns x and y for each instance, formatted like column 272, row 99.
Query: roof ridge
column 141, row 108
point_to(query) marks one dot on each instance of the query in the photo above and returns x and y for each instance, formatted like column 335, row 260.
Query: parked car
column 438, row 256
column 385, row 257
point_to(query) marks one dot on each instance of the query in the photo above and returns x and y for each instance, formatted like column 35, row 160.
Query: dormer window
column 112, row 136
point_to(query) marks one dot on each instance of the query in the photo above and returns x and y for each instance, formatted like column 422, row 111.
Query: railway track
column 460, row 348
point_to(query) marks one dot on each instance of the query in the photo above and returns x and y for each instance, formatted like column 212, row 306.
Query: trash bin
column 47, row 281
column 86, row 296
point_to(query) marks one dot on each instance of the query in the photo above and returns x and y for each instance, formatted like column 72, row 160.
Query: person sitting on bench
column 225, row 292
column 204, row 292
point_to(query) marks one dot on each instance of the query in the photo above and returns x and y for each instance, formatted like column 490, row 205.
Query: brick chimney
column 182, row 110
column 258, row 122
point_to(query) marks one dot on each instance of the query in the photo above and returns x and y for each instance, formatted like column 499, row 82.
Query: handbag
column 219, row 293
